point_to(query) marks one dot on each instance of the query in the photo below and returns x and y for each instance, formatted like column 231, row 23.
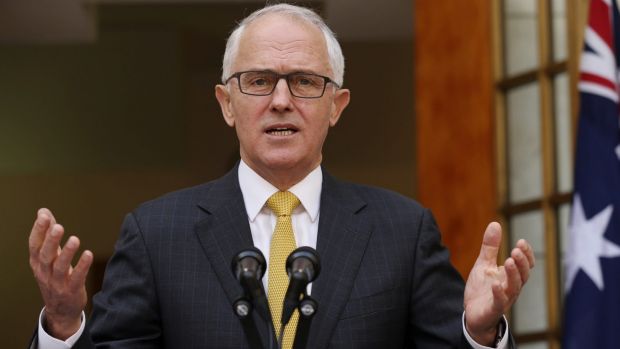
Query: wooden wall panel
column 454, row 120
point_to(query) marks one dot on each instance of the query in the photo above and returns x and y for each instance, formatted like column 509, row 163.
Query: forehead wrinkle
column 283, row 43
column 298, row 55
column 292, row 54
column 304, row 46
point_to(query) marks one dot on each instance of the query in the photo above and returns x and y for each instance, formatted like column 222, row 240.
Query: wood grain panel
column 454, row 120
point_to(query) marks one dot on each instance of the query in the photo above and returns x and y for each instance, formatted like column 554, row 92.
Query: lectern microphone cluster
column 248, row 267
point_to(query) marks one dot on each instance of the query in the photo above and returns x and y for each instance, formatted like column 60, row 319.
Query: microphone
column 303, row 266
column 249, row 266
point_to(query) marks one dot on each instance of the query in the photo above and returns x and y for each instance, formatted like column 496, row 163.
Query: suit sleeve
column 437, row 293
column 125, row 312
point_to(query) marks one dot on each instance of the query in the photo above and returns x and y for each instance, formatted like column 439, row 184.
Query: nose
column 281, row 98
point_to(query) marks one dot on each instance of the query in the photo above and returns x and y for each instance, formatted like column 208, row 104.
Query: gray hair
column 334, row 52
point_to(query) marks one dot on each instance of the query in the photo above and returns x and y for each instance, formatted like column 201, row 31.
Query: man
column 386, row 281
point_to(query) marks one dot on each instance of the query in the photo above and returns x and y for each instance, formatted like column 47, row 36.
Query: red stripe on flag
column 600, row 21
column 586, row 77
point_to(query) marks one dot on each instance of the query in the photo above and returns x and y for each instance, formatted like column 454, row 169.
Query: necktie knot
column 282, row 203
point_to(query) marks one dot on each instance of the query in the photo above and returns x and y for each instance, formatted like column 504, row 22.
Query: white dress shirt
column 256, row 190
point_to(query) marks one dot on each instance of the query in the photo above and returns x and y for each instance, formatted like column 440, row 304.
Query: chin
column 282, row 163
column 289, row 160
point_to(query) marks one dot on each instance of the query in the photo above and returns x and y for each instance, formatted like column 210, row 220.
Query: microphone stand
column 307, row 308
column 243, row 309
column 257, row 302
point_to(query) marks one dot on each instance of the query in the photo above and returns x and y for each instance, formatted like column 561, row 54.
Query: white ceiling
column 36, row 21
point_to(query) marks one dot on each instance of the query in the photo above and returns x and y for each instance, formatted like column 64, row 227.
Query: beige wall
column 91, row 130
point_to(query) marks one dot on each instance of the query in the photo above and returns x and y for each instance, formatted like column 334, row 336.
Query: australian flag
column 592, row 304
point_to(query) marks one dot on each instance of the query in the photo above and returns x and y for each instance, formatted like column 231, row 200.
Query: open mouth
column 281, row 131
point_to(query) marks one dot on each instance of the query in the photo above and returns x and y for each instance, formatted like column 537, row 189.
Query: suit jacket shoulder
column 382, row 198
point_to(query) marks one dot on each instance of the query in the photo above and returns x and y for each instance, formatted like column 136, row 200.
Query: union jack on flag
column 592, row 303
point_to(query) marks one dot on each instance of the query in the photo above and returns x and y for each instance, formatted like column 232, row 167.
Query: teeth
column 281, row 132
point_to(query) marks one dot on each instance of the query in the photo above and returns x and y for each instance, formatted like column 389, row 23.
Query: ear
column 223, row 97
column 340, row 101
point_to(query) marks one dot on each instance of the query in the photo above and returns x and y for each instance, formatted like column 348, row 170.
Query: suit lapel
column 225, row 231
column 341, row 244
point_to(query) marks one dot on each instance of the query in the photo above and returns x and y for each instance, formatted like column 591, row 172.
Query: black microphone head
column 250, row 259
column 248, row 267
column 304, row 258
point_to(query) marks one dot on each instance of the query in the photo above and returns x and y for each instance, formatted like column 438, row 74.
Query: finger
column 78, row 276
column 523, row 264
column 49, row 249
column 52, row 219
column 528, row 251
column 490, row 244
column 513, row 279
column 62, row 264
column 499, row 297
column 48, row 213
column 37, row 234
column 53, row 222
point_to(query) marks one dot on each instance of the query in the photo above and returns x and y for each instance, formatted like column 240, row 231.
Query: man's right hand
column 62, row 286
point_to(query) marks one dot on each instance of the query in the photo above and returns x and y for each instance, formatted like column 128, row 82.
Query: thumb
column 490, row 244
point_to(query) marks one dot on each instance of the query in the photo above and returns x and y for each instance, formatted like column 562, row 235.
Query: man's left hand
column 491, row 289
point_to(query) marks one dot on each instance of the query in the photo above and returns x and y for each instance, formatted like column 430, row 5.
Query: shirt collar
column 256, row 190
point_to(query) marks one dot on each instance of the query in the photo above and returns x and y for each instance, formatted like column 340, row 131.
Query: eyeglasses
column 263, row 83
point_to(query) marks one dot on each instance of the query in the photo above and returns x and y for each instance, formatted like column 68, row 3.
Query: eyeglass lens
column 264, row 82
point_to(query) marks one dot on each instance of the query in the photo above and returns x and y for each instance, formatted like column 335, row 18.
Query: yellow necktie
column 282, row 244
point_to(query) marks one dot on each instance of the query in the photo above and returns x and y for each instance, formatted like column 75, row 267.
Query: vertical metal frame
column 548, row 203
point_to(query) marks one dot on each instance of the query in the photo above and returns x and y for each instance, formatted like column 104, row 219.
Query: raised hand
column 62, row 286
column 491, row 289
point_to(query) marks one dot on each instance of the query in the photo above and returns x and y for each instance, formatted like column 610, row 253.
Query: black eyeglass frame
column 278, row 77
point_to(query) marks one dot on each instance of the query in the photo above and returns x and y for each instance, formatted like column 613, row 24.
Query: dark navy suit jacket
column 386, row 280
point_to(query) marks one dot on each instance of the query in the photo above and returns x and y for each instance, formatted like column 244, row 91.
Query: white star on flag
column 588, row 244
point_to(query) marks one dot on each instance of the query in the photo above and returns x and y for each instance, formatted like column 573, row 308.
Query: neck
column 285, row 178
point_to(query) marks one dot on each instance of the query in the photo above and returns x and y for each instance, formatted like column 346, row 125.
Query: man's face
column 283, row 45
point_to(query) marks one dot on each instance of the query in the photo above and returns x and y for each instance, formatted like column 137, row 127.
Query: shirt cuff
column 503, row 343
column 45, row 341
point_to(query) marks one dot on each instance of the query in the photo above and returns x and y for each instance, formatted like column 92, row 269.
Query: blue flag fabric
column 592, row 303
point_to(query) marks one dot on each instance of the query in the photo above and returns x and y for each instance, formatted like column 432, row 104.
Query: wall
column 454, row 121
